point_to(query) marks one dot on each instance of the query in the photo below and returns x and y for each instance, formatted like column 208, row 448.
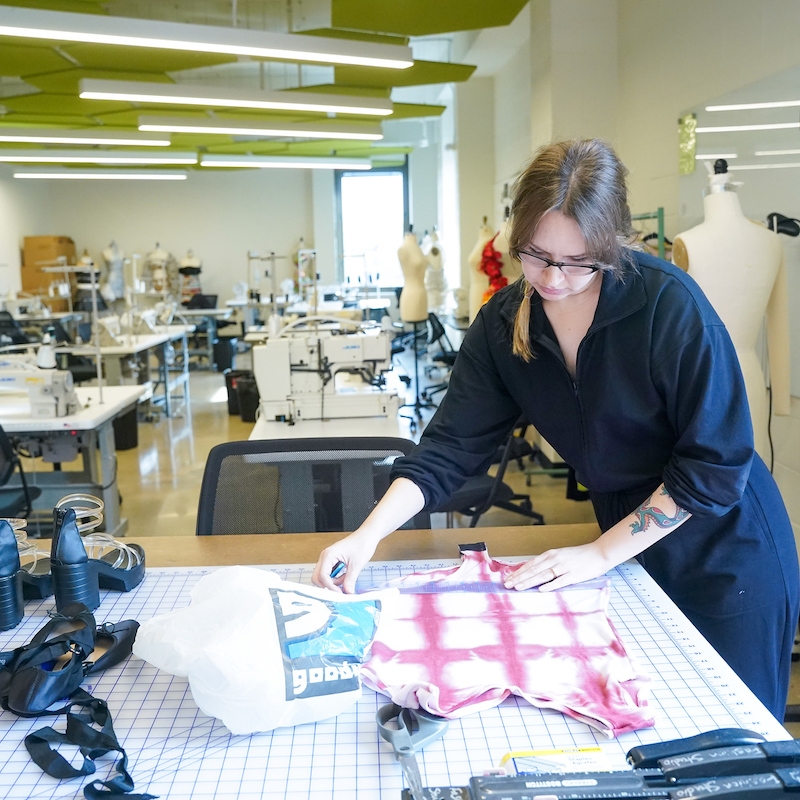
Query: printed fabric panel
column 458, row 643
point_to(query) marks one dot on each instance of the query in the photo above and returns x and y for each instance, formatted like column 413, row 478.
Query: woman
column 621, row 363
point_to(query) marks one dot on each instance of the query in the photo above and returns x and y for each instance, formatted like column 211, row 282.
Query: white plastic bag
column 262, row 653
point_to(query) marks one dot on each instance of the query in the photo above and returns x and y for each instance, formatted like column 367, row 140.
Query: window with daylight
column 373, row 217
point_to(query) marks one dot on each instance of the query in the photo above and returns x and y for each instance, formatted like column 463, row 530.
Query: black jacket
column 658, row 396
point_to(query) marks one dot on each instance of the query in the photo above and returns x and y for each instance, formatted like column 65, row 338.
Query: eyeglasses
column 540, row 262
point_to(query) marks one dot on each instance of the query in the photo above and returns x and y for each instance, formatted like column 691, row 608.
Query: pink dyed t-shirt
column 455, row 652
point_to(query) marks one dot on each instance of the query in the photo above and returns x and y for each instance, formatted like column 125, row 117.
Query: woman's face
column 558, row 238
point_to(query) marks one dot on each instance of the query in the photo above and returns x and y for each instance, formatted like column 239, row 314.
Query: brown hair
column 584, row 180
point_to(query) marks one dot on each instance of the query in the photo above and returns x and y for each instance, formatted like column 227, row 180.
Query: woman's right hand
column 354, row 551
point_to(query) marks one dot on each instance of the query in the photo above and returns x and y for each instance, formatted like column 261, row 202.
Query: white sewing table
column 177, row 752
column 90, row 432
column 396, row 426
column 211, row 318
column 171, row 379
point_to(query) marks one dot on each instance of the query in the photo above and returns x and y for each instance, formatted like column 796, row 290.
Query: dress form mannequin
column 479, row 281
column 740, row 267
column 157, row 261
column 435, row 281
column 413, row 298
column 512, row 269
column 114, row 287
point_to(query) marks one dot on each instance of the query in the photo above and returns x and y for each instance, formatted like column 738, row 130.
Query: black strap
column 92, row 742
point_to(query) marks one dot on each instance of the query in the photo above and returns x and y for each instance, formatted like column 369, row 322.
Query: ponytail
column 522, row 338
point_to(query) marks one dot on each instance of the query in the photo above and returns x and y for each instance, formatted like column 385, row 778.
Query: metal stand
column 418, row 403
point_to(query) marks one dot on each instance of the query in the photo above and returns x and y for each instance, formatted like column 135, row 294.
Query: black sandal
column 78, row 575
column 12, row 607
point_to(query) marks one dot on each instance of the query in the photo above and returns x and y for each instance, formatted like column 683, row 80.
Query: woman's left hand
column 555, row 569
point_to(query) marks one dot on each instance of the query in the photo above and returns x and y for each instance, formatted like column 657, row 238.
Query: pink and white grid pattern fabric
column 455, row 652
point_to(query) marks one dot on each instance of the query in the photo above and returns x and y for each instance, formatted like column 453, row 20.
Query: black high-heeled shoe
column 50, row 668
column 12, row 607
column 66, row 650
column 37, row 580
column 76, row 576
column 74, row 581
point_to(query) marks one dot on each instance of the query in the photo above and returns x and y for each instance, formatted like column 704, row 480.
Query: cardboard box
column 38, row 251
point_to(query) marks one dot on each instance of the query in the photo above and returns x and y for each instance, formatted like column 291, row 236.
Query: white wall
column 24, row 211
column 675, row 55
column 219, row 216
column 475, row 149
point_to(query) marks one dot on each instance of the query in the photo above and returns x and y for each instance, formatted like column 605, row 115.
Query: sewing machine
column 296, row 373
column 51, row 392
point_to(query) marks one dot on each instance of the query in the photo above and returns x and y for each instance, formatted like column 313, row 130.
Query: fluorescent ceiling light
column 102, row 29
column 766, row 166
column 777, row 126
column 94, row 157
column 264, row 129
column 754, row 106
column 102, row 175
column 185, row 94
column 777, row 153
column 285, row 162
column 90, row 136
column 709, row 156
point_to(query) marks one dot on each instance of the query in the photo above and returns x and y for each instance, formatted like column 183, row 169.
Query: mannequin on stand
column 435, row 281
column 414, row 303
column 740, row 267
column 114, row 285
column 413, row 298
column 479, row 281
column 512, row 268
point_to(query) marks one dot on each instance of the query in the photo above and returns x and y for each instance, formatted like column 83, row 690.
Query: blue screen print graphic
column 323, row 642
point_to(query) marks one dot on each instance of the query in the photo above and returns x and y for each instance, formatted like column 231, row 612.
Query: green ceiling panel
column 21, row 60
column 51, row 104
column 145, row 59
column 422, row 17
column 260, row 148
column 349, row 91
column 408, row 110
column 421, row 74
column 51, row 121
column 67, row 81
column 357, row 36
column 189, row 141
column 77, row 6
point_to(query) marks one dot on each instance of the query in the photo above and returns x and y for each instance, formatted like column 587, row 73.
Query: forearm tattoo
column 646, row 514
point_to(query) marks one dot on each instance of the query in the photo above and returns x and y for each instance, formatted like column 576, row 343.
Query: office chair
column 11, row 331
column 81, row 367
column 445, row 358
column 482, row 492
column 14, row 502
column 297, row 485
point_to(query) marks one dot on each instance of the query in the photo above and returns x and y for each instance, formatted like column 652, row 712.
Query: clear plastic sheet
column 261, row 652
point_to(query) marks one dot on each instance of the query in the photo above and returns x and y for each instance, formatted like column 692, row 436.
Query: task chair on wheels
column 14, row 502
column 445, row 358
column 297, row 485
column 482, row 492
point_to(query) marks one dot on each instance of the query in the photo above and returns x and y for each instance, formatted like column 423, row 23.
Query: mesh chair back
column 11, row 331
column 203, row 301
column 8, row 459
column 14, row 501
column 297, row 485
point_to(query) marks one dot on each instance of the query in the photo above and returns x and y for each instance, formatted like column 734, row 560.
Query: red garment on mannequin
column 456, row 652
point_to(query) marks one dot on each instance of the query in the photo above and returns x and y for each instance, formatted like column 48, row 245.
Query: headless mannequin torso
column 435, row 282
column 479, row 281
column 740, row 267
column 413, row 298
